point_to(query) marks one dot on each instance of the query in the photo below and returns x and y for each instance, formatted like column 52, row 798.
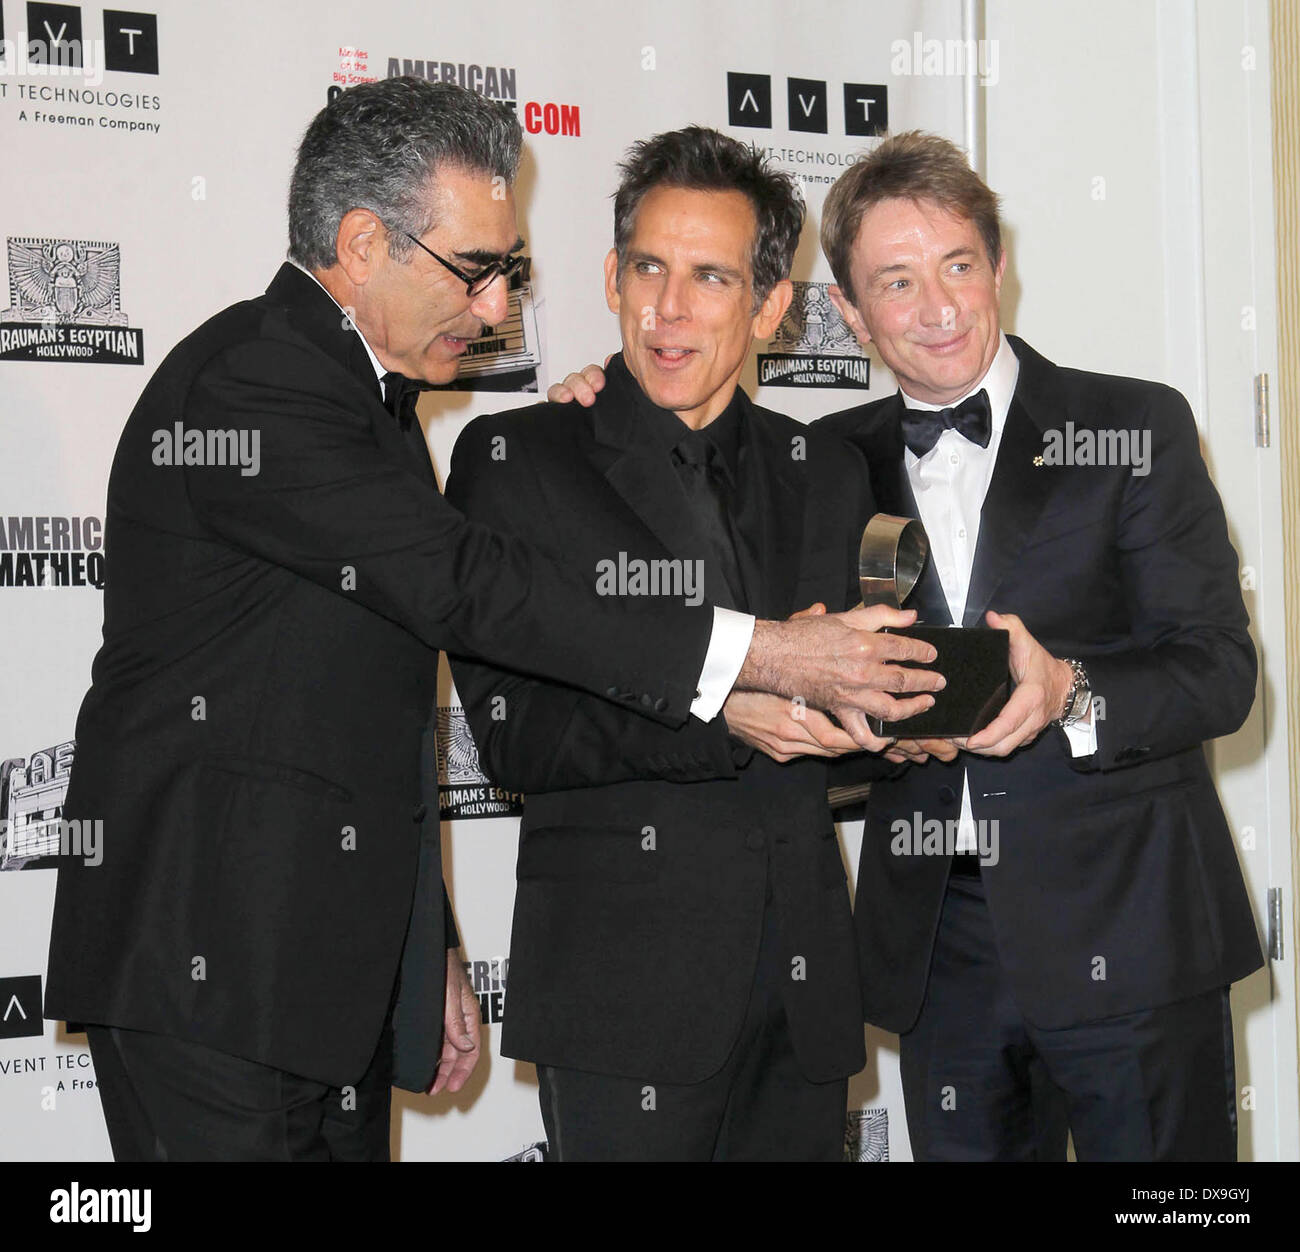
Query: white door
column 1215, row 113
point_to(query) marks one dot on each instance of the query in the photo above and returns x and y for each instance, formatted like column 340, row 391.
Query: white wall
column 1149, row 273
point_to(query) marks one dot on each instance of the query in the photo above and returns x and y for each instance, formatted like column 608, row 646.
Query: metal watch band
column 1072, row 713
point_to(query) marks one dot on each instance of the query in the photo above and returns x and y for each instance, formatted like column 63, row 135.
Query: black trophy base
column 975, row 661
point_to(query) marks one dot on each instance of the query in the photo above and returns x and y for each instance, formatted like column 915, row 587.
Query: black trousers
column 168, row 1099
column 757, row 1107
column 982, row 1083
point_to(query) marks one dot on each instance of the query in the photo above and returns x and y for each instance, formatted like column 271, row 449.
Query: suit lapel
column 1018, row 488
column 313, row 313
column 770, row 518
column 635, row 466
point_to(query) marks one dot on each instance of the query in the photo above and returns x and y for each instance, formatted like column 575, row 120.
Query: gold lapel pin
column 1038, row 460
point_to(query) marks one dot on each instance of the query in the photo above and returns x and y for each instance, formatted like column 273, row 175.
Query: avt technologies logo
column 54, row 43
column 65, row 304
column 814, row 346
column 749, row 103
column 59, row 70
column 464, row 790
column 32, row 791
column 866, row 1135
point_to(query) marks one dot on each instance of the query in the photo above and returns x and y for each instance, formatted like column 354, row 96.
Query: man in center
column 682, row 967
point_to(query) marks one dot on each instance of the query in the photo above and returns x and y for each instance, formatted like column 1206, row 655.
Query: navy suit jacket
column 1117, row 886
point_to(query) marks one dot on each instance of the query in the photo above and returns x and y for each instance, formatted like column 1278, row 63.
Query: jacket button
column 754, row 842
column 947, row 794
column 611, row 691
column 661, row 704
column 421, row 810
column 647, row 699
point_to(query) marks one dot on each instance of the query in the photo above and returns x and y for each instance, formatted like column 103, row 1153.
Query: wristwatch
column 1079, row 698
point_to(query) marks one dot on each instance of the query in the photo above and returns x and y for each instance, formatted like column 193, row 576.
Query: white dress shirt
column 732, row 631
column 950, row 483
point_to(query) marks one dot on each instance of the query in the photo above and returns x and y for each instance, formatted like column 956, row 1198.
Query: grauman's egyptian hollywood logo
column 65, row 304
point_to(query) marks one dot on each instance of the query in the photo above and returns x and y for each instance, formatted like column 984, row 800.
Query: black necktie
column 400, row 395
column 699, row 466
column 971, row 418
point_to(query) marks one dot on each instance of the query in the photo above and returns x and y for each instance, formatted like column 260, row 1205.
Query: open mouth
column 672, row 358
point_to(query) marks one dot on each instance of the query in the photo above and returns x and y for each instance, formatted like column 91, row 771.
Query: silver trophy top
column 891, row 558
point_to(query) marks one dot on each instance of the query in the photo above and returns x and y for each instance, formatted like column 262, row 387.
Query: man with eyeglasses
column 491, row 269
column 262, row 949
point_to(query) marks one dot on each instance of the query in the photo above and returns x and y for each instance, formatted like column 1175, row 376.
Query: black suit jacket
column 645, row 851
column 252, row 738
column 1117, row 887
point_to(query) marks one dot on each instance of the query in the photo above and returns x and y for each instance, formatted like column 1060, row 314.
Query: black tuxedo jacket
column 252, row 738
column 1117, row 886
column 646, row 851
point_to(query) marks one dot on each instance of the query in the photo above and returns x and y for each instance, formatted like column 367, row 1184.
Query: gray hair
column 378, row 146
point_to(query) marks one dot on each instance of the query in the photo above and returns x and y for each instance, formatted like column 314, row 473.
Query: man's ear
column 851, row 316
column 999, row 272
column 773, row 309
column 361, row 243
column 611, row 280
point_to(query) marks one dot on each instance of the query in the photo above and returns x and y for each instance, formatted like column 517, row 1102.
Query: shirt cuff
column 1083, row 736
column 728, row 647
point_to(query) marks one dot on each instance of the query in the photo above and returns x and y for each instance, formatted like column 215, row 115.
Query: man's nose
column 937, row 305
column 489, row 306
column 673, row 303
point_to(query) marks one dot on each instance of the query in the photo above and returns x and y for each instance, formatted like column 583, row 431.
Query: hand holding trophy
column 974, row 660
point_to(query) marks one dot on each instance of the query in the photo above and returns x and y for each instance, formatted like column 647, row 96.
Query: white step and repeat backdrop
column 146, row 159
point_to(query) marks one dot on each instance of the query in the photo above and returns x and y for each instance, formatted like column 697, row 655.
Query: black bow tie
column 400, row 395
column 971, row 418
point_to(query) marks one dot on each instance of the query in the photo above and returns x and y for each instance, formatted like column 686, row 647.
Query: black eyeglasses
column 476, row 284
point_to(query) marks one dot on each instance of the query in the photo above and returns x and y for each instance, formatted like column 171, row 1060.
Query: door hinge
column 1275, row 947
column 1262, row 437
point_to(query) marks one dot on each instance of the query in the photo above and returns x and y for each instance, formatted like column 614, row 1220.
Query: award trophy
column 974, row 660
